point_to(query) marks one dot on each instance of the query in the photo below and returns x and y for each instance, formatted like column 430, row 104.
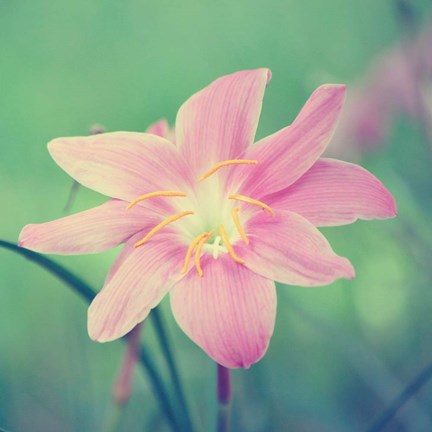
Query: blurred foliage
column 339, row 353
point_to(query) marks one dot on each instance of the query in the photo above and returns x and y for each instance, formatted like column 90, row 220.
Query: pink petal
column 90, row 231
column 333, row 192
column 136, row 286
column 289, row 249
column 229, row 312
column 159, row 128
column 127, row 249
column 286, row 155
column 220, row 121
column 122, row 164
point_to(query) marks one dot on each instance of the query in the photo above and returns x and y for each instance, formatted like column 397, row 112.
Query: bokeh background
column 340, row 353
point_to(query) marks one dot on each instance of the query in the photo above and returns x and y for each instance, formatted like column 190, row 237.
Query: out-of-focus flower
column 213, row 219
column 394, row 85
column 161, row 128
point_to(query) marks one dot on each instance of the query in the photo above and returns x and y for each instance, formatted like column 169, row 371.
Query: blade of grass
column 159, row 325
column 413, row 387
column 88, row 293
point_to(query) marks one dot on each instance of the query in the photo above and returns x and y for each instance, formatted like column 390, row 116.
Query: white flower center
column 208, row 218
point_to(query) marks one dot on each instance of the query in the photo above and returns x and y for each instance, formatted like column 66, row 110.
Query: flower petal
column 219, row 122
column 127, row 249
column 90, row 231
column 286, row 155
column 136, row 286
column 122, row 164
column 229, row 312
column 289, row 249
column 333, row 192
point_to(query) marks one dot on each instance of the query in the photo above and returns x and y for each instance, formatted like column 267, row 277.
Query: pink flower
column 213, row 220
column 161, row 128
column 392, row 85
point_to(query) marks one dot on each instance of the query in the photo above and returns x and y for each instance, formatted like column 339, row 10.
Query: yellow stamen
column 200, row 244
column 161, row 225
column 238, row 225
column 155, row 194
column 190, row 250
column 228, row 245
column 226, row 163
column 252, row 201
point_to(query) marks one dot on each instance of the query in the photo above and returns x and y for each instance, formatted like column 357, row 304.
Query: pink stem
column 224, row 398
column 123, row 384
column 223, row 385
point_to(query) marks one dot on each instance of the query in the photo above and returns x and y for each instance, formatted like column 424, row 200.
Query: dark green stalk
column 419, row 381
column 94, row 130
column 85, row 291
column 56, row 269
column 72, row 195
column 156, row 315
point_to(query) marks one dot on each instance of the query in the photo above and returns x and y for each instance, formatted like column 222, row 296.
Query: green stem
column 56, row 269
column 421, row 379
column 223, row 418
column 115, row 419
column 156, row 315
column 85, row 291
column 72, row 195
column 158, row 387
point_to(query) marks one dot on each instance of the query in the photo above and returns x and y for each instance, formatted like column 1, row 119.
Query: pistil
column 216, row 245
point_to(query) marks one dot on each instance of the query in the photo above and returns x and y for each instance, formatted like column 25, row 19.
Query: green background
column 340, row 353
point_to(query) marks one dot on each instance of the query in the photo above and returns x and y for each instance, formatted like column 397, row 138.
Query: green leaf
column 88, row 293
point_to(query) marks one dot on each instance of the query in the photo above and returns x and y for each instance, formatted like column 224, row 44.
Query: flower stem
column 421, row 379
column 94, row 130
column 224, row 398
column 72, row 195
column 56, row 269
column 157, row 317
column 159, row 388
column 88, row 293
column 122, row 388
column 115, row 419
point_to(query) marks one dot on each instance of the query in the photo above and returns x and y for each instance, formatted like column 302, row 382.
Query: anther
column 155, row 194
column 227, row 163
column 254, row 202
column 228, row 245
column 237, row 223
column 200, row 244
column 161, row 225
